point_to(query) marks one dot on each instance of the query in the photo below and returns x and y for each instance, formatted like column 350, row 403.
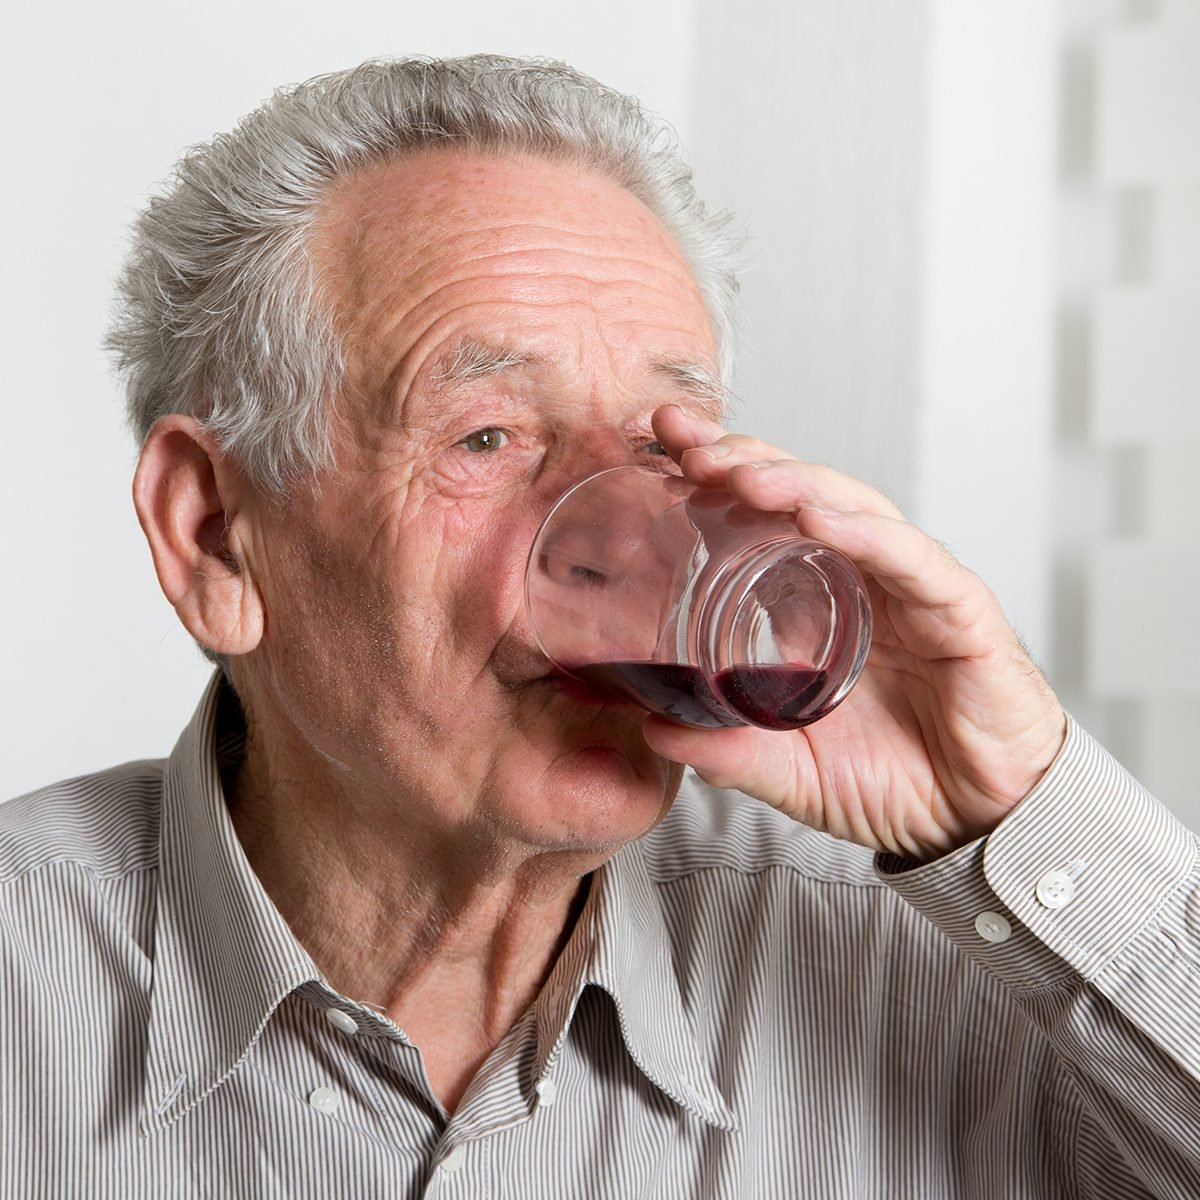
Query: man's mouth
column 525, row 670
column 581, row 691
column 596, row 692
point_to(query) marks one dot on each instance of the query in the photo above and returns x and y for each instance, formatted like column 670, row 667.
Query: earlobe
column 185, row 495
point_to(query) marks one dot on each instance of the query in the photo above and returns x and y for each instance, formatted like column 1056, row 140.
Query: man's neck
column 451, row 936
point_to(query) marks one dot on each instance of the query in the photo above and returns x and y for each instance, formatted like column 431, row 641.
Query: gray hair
column 220, row 311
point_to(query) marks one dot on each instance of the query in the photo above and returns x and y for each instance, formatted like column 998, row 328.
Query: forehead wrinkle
column 498, row 240
column 504, row 250
column 513, row 282
column 422, row 208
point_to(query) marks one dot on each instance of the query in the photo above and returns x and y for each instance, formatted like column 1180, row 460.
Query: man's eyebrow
column 471, row 359
column 695, row 380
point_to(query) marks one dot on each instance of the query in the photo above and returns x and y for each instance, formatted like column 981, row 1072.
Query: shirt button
column 547, row 1092
column 992, row 927
column 1055, row 889
column 454, row 1159
column 324, row 1099
column 341, row 1020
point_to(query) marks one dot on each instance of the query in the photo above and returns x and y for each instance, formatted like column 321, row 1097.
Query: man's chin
column 595, row 793
column 607, row 740
column 605, row 765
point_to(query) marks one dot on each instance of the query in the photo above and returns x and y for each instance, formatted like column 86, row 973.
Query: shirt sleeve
column 1085, row 904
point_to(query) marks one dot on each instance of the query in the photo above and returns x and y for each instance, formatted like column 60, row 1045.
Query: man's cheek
column 490, row 556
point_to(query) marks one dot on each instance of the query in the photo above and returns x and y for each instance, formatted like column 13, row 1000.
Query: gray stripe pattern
column 746, row 1008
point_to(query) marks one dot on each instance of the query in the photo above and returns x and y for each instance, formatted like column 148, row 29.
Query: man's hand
column 951, row 723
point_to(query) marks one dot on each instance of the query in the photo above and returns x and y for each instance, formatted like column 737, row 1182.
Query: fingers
column 906, row 562
column 757, row 473
column 682, row 432
column 739, row 758
column 787, row 485
column 679, row 429
column 833, row 508
column 777, row 768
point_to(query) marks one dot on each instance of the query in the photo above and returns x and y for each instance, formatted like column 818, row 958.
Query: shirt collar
column 632, row 961
column 224, row 957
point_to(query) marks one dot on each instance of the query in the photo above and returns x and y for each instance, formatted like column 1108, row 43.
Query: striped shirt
column 745, row 1008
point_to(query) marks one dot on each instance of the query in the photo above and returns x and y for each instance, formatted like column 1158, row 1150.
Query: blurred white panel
column 1177, row 229
column 1172, row 491
column 1148, row 100
column 1168, row 766
column 1143, row 638
column 809, row 124
column 1146, row 365
column 985, row 423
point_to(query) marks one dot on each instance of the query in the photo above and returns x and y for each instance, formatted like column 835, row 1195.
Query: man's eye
column 655, row 448
column 483, row 441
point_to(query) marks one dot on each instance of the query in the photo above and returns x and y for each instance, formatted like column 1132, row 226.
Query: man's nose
column 590, row 452
column 591, row 546
column 592, row 596
column 592, row 543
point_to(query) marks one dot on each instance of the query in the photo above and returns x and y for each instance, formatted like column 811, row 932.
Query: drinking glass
column 694, row 605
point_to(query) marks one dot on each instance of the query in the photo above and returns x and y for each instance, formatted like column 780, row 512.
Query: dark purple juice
column 673, row 690
column 775, row 697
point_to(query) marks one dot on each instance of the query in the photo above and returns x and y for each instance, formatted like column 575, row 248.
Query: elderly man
column 401, row 915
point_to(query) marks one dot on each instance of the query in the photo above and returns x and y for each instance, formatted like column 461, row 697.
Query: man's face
column 511, row 325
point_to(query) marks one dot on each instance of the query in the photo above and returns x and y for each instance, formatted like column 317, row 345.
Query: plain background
column 923, row 187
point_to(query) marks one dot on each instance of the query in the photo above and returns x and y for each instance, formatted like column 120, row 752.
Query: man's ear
column 186, row 494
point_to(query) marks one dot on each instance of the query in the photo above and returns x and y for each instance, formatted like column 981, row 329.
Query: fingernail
column 716, row 450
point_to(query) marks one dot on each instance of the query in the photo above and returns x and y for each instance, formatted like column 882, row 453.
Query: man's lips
column 582, row 691
column 519, row 669
column 570, row 687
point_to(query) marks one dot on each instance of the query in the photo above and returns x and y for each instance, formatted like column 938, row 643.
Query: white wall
column 986, row 410
column 811, row 126
column 895, row 167
column 1127, row 485
column 976, row 239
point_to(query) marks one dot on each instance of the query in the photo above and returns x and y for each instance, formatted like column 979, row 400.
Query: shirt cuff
column 1065, row 882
